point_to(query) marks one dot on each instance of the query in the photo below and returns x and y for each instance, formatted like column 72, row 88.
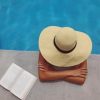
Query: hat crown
column 66, row 39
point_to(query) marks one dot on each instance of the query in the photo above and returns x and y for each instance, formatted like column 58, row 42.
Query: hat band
column 63, row 51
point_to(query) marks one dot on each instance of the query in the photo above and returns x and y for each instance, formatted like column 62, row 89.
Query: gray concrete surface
column 55, row 90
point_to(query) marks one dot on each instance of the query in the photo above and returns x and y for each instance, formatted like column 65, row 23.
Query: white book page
column 10, row 76
column 23, row 85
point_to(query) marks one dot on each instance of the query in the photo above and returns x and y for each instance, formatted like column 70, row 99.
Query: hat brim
column 52, row 55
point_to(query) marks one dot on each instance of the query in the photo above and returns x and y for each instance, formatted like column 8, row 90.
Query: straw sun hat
column 64, row 46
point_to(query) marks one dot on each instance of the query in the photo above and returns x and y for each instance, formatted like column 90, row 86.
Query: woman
column 63, row 54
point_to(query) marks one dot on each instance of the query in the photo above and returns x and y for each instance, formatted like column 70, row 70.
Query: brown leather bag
column 75, row 74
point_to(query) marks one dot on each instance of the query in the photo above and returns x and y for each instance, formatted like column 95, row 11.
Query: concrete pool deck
column 55, row 90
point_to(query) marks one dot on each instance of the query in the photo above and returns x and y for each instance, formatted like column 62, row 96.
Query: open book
column 18, row 81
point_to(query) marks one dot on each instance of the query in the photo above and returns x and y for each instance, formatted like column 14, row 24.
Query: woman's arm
column 48, row 73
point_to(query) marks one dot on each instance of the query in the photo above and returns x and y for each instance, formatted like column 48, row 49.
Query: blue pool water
column 21, row 21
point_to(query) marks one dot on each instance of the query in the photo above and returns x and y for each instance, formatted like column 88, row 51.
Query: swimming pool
column 21, row 21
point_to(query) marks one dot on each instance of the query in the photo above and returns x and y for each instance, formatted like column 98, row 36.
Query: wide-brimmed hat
column 64, row 46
